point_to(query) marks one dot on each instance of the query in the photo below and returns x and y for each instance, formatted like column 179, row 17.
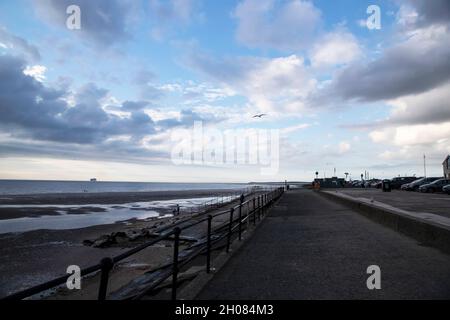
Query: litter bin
column 386, row 186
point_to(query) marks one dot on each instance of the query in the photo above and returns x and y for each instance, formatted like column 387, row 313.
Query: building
column 446, row 167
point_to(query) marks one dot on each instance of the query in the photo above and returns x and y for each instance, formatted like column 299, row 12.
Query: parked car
column 371, row 183
column 435, row 186
column 356, row 183
column 397, row 182
column 414, row 186
column 446, row 189
column 374, row 183
column 405, row 186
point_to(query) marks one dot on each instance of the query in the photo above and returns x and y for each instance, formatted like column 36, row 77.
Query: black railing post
column 106, row 266
column 240, row 221
column 259, row 208
column 208, row 245
column 248, row 211
column 230, row 229
column 254, row 212
column 176, row 244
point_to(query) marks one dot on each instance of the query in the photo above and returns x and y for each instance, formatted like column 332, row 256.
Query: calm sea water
column 14, row 187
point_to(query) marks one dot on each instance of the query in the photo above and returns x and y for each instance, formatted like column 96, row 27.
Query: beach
column 18, row 206
column 34, row 256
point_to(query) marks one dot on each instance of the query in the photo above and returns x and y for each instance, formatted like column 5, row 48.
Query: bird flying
column 259, row 115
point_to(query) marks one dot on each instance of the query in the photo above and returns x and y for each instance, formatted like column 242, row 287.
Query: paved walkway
column 435, row 203
column 309, row 247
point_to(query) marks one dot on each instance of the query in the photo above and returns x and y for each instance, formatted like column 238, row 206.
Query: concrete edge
column 427, row 233
column 193, row 289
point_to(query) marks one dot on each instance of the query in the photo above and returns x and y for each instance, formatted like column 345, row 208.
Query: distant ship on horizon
column 93, row 179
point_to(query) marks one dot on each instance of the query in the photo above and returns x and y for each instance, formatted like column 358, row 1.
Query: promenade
column 309, row 247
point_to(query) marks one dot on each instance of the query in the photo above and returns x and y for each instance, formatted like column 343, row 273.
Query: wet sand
column 107, row 197
column 30, row 258
column 53, row 200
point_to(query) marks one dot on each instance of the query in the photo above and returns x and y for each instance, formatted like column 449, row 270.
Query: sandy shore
column 48, row 202
column 107, row 198
column 30, row 258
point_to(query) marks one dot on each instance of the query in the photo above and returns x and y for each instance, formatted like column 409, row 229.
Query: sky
column 119, row 98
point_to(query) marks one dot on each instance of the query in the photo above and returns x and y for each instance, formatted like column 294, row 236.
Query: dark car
column 446, row 189
column 397, row 182
column 405, row 186
column 414, row 186
column 435, row 186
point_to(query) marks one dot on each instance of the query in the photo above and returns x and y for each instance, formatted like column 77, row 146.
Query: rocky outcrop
column 118, row 238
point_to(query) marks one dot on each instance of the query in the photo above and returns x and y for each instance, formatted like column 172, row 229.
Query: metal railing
column 219, row 200
column 213, row 236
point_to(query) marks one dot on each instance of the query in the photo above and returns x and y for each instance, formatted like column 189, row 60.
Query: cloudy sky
column 108, row 99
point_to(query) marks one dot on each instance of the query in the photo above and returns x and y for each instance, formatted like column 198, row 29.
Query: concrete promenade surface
column 309, row 247
column 435, row 203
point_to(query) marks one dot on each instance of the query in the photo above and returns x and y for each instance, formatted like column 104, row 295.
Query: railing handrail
column 106, row 264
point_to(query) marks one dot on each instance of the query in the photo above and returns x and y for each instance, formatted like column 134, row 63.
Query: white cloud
column 335, row 48
column 270, row 84
column 362, row 23
column 37, row 72
column 409, row 135
column 287, row 25
column 170, row 13
column 406, row 15
column 344, row 147
column 278, row 84
column 291, row 129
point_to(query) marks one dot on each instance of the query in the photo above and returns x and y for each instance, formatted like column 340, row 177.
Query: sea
column 22, row 187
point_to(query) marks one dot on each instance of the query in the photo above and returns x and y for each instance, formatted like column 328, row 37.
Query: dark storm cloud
column 134, row 105
column 38, row 120
column 103, row 22
column 431, row 12
column 400, row 71
column 25, row 101
column 419, row 63
column 121, row 151
column 19, row 44
column 29, row 109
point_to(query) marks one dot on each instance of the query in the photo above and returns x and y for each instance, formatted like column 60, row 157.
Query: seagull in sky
column 259, row 115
